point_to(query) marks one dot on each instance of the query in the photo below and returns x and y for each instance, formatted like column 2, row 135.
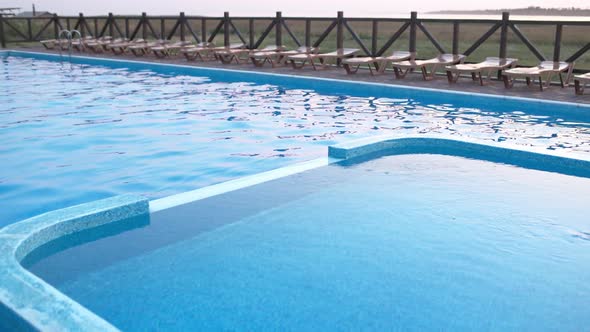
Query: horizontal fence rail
column 529, row 40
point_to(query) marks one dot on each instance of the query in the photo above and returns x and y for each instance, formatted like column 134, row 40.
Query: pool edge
column 28, row 302
column 308, row 78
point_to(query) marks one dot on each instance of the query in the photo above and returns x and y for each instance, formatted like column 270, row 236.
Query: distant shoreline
column 530, row 11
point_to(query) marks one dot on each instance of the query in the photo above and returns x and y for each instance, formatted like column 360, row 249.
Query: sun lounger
column 402, row 68
column 141, row 49
column 545, row 70
column 79, row 44
column 278, row 57
column 50, row 44
column 299, row 60
column 203, row 51
column 226, row 56
column 206, row 51
column 166, row 50
column 489, row 65
column 99, row 45
column 122, row 47
column 580, row 82
column 352, row 65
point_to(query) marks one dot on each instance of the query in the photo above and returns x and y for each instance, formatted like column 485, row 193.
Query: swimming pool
column 412, row 233
column 98, row 128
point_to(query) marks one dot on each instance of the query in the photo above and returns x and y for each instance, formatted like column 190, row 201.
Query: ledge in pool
column 28, row 303
column 327, row 86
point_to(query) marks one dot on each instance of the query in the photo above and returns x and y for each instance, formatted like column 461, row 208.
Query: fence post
column 455, row 37
column 143, row 25
column 126, row 27
column 504, row 34
column 279, row 29
column 55, row 26
column 29, row 29
column 557, row 47
column 340, row 34
column 110, row 24
column 2, row 37
column 251, row 33
column 340, row 30
column 182, row 27
column 308, row 32
column 162, row 28
column 81, row 24
column 226, row 29
column 203, row 30
column 95, row 22
column 503, row 38
column 413, row 19
column 374, row 33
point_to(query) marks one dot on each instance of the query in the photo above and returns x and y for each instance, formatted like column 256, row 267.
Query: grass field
column 542, row 36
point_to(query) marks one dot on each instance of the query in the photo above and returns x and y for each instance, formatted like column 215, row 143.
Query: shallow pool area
column 73, row 133
column 411, row 241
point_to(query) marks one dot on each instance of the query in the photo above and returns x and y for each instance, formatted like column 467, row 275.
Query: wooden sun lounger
column 352, row 65
column 545, row 69
column 489, row 65
column 165, row 50
column 298, row 61
column 202, row 51
column 278, row 57
column 228, row 55
column 580, row 82
column 402, row 68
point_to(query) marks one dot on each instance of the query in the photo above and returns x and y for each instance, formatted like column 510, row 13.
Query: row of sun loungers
column 401, row 62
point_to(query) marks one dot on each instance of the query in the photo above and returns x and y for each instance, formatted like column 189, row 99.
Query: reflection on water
column 75, row 135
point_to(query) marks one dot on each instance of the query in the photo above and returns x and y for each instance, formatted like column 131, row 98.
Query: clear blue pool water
column 75, row 133
column 408, row 242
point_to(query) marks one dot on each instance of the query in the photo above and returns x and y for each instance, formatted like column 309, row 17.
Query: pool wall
column 521, row 156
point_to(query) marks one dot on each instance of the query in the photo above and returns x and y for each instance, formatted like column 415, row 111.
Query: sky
column 379, row 8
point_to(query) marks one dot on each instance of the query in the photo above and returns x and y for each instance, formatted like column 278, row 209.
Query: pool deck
column 496, row 87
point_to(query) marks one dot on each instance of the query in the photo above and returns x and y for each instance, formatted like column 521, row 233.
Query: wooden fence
column 528, row 40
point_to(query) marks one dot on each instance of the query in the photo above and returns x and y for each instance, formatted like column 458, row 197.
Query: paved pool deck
column 555, row 92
